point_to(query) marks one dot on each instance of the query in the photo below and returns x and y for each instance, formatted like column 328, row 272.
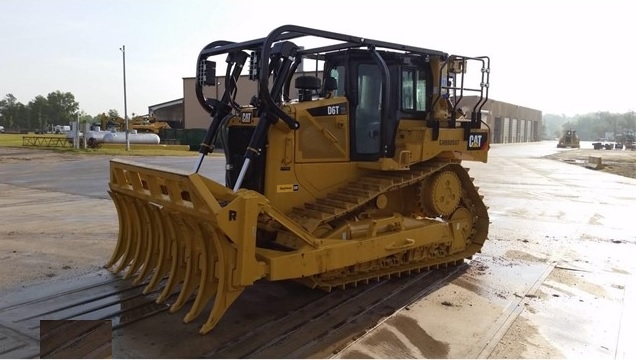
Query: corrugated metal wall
column 519, row 123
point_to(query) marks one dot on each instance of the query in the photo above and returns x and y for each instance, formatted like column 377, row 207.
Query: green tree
column 85, row 118
column 62, row 107
column 38, row 112
column 113, row 113
column 9, row 111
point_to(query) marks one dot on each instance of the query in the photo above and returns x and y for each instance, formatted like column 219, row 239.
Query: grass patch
column 15, row 140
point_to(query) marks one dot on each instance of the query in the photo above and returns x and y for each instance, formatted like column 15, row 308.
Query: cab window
column 413, row 90
column 338, row 73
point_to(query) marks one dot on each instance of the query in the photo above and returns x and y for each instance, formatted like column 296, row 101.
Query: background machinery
column 143, row 124
column 569, row 139
column 358, row 178
column 626, row 140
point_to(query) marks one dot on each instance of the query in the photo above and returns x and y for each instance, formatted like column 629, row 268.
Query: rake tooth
column 177, row 268
column 141, row 241
column 153, row 240
column 124, row 228
column 208, row 284
column 164, row 257
column 192, row 276
column 132, row 235
column 226, row 294
column 125, row 238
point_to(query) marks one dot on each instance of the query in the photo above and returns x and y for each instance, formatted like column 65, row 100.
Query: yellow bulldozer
column 141, row 123
column 357, row 178
column 569, row 139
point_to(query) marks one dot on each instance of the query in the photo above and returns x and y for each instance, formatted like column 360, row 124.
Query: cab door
column 366, row 111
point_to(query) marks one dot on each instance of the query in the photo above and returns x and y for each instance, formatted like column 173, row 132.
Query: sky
column 560, row 56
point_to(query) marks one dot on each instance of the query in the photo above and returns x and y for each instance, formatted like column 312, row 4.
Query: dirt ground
column 35, row 245
column 17, row 155
column 619, row 162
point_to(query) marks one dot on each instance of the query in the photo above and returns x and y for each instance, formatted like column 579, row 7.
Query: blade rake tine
column 208, row 284
column 151, row 259
column 141, row 243
column 226, row 295
column 132, row 233
column 177, row 265
column 192, row 276
column 166, row 237
column 124, row 230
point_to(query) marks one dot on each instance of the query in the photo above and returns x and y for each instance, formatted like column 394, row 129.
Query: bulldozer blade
column 171, row 226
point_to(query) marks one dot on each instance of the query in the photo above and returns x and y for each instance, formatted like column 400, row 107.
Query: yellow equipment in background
column 358, row 178
column 142, row 123
column 569, row 139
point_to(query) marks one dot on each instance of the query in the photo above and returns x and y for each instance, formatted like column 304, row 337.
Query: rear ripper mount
column 325, row 191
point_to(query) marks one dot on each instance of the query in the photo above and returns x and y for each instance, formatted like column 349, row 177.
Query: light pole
column 123, row 51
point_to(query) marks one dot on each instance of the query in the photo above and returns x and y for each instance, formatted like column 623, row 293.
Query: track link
column 356, row 195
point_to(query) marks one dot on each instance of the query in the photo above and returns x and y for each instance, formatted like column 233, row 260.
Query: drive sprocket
column 441, row 194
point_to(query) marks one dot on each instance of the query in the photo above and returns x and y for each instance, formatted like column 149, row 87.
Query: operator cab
column 359, row 77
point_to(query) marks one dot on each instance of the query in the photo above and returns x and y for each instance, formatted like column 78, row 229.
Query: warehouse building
column 508, row 123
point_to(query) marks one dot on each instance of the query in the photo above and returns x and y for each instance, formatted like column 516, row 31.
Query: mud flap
column 172, row 225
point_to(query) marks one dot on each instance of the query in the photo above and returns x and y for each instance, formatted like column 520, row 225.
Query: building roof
column 155, row 107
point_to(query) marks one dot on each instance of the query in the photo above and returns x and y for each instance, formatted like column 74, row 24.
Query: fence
column 46, row 141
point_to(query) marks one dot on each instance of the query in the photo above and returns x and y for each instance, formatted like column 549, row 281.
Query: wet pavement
column 555, row 279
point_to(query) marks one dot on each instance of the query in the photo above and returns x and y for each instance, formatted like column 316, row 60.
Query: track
column 353, row 198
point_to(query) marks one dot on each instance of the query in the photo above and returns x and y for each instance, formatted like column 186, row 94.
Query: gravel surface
column 619, row 162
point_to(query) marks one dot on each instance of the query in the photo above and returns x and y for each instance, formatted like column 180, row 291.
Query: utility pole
column 123, row 51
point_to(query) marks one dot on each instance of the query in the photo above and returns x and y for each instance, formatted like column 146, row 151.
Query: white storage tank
column 93, row 137
column 133, row 138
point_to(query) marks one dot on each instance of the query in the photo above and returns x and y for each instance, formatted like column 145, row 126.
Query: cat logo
column 246, row 118
column 477, row 141
column 287, row 188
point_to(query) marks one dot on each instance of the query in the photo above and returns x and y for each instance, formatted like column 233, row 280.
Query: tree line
column 61, row 108
column 590, row 126
column 56, row 108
